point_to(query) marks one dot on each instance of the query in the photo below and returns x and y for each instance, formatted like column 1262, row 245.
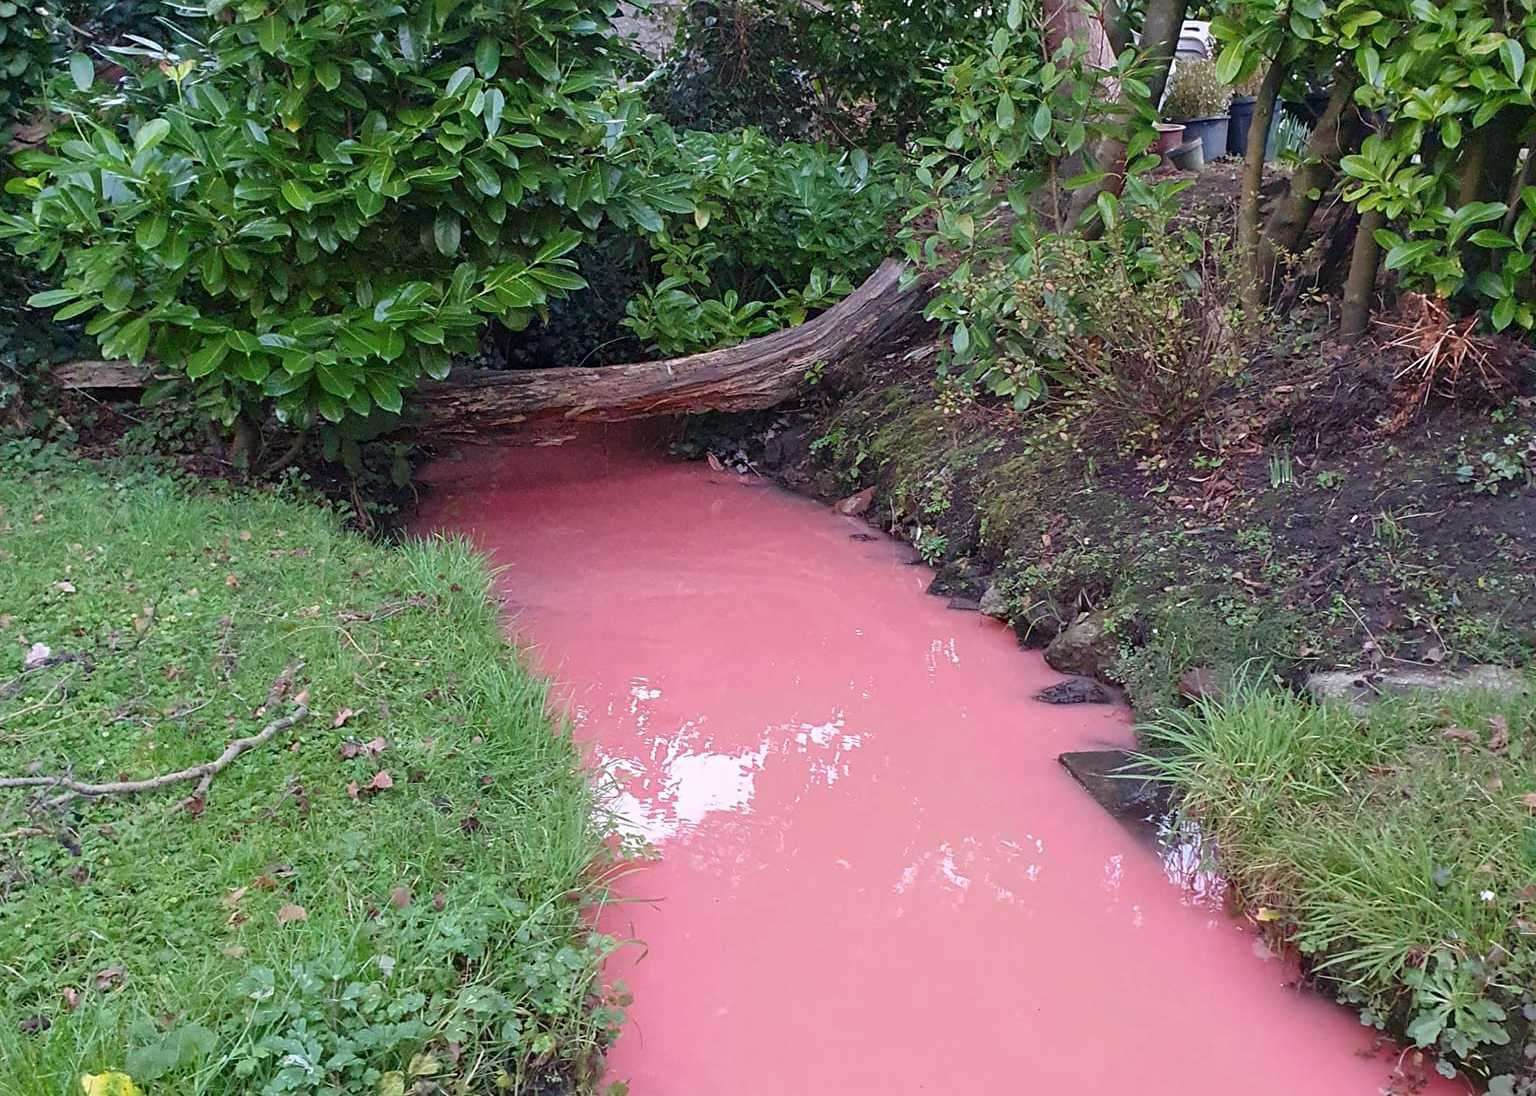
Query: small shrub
column 1195, row 91
column 1144, row 321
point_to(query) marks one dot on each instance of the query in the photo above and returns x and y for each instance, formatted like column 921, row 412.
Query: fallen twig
column 203, row 773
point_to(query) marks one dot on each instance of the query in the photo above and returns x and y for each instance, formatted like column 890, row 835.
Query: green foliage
column 292, row 934
column 1506, row 467
column 327, row 201
column 875, row 60
column 25, row 52
column 1010, row 117
column 1394, row 849
column 737, row 65
column 1456, row 92
column 764, row 235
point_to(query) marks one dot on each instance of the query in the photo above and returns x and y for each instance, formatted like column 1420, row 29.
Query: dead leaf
column 1529, row 799
column 1498, row 742
column 232, row 581
column 856, row 504
column 714, row 463
column 1460, row 734
column 64, row 587
column 234, row 951
column 288, row 913
column 470, row 824
column 71, row 998
column 37, row 656
column 374, row 746
column 381, row 781
column 342, row 716
column 245, row 534
column 108, row 977
column 439, row 901
column 232, row 898
column 400, row 897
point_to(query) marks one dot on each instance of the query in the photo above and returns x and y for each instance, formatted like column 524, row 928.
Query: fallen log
column 880, row 317
column 874, row 320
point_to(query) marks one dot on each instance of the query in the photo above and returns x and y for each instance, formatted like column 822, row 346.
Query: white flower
column 1487, row 896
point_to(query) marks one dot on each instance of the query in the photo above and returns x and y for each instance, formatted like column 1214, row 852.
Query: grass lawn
column 1396, row 851
column 388, row 896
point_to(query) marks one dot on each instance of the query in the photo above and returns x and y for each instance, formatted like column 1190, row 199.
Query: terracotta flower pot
column 1170, row 135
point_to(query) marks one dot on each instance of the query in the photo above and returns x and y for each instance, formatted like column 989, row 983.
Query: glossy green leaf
column 487, row 56
column 446, row 230
column 82, row 71
column 150, row 134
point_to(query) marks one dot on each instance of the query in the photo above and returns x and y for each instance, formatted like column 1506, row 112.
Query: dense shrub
column 25, row 50
column 775, row 233
column 738, row 64
column 326, row 201
column 988, row 184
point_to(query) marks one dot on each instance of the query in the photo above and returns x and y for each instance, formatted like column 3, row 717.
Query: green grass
column 1395, row 850
column 443, row 929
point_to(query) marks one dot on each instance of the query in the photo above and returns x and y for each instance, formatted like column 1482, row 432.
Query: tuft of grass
column 1395, row 849
column 306, row 930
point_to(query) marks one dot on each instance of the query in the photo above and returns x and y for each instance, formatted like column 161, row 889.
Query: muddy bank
column 1299, row 522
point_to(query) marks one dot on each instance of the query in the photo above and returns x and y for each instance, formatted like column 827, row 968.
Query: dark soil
column 1314, row 515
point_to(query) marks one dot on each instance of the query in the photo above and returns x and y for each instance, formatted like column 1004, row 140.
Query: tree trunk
column 1253, row 177
column 881, row 317
column 1360, row 289
column 1159, row 38
column 1488, row 165
column 1338, row 132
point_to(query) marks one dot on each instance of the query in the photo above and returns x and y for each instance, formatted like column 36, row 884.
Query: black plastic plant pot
column 1242, row 121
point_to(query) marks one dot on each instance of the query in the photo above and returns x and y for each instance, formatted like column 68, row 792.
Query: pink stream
column 872, row 876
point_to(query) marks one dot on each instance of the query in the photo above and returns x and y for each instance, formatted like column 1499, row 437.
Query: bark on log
column 880, row 317
column 876, row 319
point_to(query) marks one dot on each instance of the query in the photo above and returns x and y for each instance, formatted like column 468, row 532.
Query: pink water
column 871, row 874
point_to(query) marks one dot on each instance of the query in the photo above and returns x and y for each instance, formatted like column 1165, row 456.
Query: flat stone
column 1075, row 690
column 1201, row 683
column 964, row 604
column 1084, row 648
column 994, row 603
column 1361, row 688
column 1135, row 801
